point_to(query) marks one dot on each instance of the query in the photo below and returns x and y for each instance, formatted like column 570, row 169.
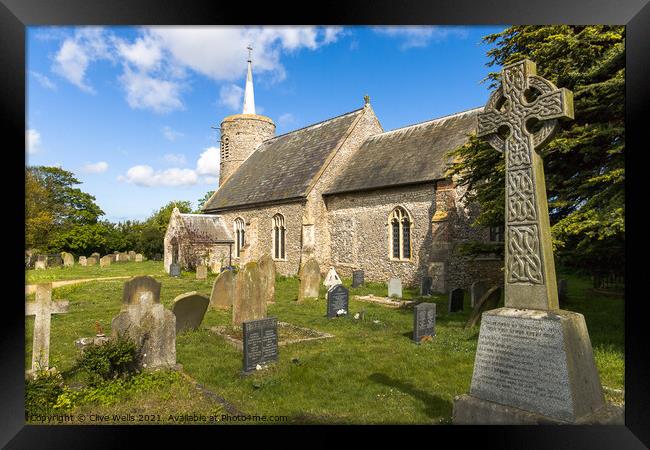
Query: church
column 342, row 191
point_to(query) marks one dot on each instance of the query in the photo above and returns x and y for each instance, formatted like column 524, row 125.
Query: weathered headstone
column 201, row 272
column 534, row 362
column 215, row 267
column 105, row 261
column 260, row 339
column 357, row 278
column 309, row 280
column 332, row 278
column 223, row 290
column 476, row 291
column 456, row 297
column 395, row 288
column 68, row 259
column 83, row 261
column 122, row 257
column 489, row 300
column 131, row 255
column 40, row 265
column 424, row 321
column 145, row 320
column 96, row 255
column 248, row 303
column 337, row 301
column 91, row 261
column 42, row 309
column 174, row 270
column 139, row 257
column 267, row 277
column 189, row 309
column 113, row 257
column 426, row 286
column 54, row 261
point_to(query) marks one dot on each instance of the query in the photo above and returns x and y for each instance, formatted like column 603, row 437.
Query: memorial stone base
column 532, row 366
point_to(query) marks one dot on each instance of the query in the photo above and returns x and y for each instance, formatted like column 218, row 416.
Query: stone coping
column 239, row 345
column 385, row 301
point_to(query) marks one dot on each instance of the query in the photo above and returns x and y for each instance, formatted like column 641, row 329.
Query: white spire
column 249, row 97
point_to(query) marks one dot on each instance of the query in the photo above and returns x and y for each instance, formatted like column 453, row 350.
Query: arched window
column 279, row 235
column 400, row 234
column 240, row 231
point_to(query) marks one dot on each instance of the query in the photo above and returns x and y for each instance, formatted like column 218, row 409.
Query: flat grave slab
column 385, row 301
column 287, row 334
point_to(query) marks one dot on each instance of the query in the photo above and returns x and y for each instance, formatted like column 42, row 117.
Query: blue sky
column 129, row 110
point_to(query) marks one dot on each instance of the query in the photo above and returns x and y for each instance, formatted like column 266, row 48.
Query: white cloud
column 421, row 36
column 145, row 52
column 144, row 175
column 231, row 96
column 175, row 159
column 208, row 163
column 43, row 80
column 171, row 135
column 97, row 167
column 286, row 119
column 32, row 141
column 146, row 92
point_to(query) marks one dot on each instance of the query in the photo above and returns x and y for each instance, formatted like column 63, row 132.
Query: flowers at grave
column 356, row 316
column 341, row 312
column 258, row 367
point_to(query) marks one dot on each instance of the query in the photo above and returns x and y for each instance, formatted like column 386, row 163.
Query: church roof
column 284, row 167
column 205, row 228
column 409, row 155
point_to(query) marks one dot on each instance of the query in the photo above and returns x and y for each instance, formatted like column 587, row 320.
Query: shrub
column 115, row 358
column 42, row 393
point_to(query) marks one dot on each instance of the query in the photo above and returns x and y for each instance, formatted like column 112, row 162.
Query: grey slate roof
column 205, row 228
column 283, row 167
column 408, row 155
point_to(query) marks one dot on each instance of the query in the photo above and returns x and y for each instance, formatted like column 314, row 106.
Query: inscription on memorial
column 424, row 321
column 260, row 342
column 521, row 362
column 337, row 300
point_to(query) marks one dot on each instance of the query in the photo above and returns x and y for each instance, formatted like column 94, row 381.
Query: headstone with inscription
column 189, row 309
column 426, row 286
column 223, row 290
column 174, row 270
column 456, row 297
column 534, row 362
column 201, row 272
column 424, row 321
column 309, row 280
column 357, row 278
column 337, row 301
column 260, row 342
column 476, row 291
column 267, row 277
column 248, row 303
column 395, row 287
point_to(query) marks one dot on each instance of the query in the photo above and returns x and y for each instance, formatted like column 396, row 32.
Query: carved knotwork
column 524, row 261
column 521, row 207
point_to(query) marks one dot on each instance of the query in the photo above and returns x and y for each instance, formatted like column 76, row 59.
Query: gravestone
column 68, row 259
column 113, row 257
column 91, row 261
column 54, row 261
column 40, row 265
column 456, row 297
column 223, row 290
column 248, row 303
column 260, row 342
column 562, row 292
column 96, row 255
column 534, row 362
column 174, row 270
column 189, row 309
column 267, row 277
column 215, row 267
column 476, row 291
column 131, row 255
column 424, row 321
column 105, row 261
column 42, row 309
column 309, row 280
column 139, row 257
column 438, row 273
column 83, row 261
column 201, row 272
column 145, row 320
column 357, row 278
column 122, row 257
column 337, row 301
column 332, row 278
column 426, row 286
column 395, row 288
column 489, row 300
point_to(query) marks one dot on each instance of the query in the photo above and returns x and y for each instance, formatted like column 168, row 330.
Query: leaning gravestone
column 223, row 290
column 424, row 321
column 174, row 270
column 395, row 287
column 309, row 280
column 42, row 309
column 476, row 291
column 68, row 259
column 267, row 277
column 145, row 320
column 332, row 278
column 534, row 362
column 83, row 261
column 248, row 303
column 139, row 257
column 189, row 309
column 105, row 261
column 426, row 286
column 489, row 300
column 337, row 301
column 357, row 278
column 456, row 297
column 201, row 272
column 260, row 343
column 91, row 261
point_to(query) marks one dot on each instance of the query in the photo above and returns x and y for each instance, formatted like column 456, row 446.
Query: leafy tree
column 584, row 164
column 203, row 200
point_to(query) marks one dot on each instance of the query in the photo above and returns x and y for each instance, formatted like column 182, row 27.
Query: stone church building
column 346, row 193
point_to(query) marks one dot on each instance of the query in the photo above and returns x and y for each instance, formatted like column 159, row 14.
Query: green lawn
column 370, row 372
column 79, row 272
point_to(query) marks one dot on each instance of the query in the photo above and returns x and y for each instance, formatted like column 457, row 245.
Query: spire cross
column 250, row 50
column 529, row 268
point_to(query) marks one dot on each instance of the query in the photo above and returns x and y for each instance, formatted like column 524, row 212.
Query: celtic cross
column 526, row 107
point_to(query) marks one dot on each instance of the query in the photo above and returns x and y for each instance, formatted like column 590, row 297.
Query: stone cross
column 42, row 309
column 525, row 100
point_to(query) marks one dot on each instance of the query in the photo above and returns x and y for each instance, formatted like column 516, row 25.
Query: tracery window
column 240, row 238
column 400, row 234
column 279, row 237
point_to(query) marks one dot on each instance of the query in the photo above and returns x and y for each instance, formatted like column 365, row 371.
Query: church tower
column 242, row 133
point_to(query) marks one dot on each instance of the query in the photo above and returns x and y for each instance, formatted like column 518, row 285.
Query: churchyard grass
column 370, row 372
column 77, row 271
